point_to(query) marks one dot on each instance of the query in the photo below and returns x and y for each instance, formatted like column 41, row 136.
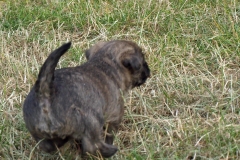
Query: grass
column 188, row 109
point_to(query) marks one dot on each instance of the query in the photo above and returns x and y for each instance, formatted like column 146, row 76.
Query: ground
column 188, row 108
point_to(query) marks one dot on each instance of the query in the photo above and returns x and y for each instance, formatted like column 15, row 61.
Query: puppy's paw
column 107, row 150
column 47, row 145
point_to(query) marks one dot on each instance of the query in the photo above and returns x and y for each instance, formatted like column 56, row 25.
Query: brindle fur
column 76, row 102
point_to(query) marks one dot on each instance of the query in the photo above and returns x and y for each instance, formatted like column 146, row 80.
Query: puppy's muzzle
column 144, row 75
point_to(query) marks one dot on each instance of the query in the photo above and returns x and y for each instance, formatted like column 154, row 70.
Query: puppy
column 78, row 102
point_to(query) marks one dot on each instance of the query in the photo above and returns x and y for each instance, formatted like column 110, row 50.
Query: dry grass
column 188, row 109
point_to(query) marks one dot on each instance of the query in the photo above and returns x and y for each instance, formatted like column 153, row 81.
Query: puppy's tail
column 46, row 74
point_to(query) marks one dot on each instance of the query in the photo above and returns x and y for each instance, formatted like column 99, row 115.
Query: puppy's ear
column 132, row 63
column 88, row 53
column 94, row 49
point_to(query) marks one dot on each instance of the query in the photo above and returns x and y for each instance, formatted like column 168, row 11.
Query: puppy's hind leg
column 49, row 145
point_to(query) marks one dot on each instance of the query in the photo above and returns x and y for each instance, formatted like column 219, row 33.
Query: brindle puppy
column 76, row 102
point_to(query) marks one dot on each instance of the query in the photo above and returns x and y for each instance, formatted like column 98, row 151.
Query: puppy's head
column 128, row 55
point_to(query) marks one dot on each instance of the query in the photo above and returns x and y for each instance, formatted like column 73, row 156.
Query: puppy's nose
column 146, row 70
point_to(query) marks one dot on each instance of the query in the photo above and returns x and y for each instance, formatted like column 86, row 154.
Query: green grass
column 188, row 109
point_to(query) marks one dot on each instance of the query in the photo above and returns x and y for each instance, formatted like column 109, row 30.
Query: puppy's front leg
column 110, row 129
column 92, row 141
column 106, row 150
column 113, row 121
